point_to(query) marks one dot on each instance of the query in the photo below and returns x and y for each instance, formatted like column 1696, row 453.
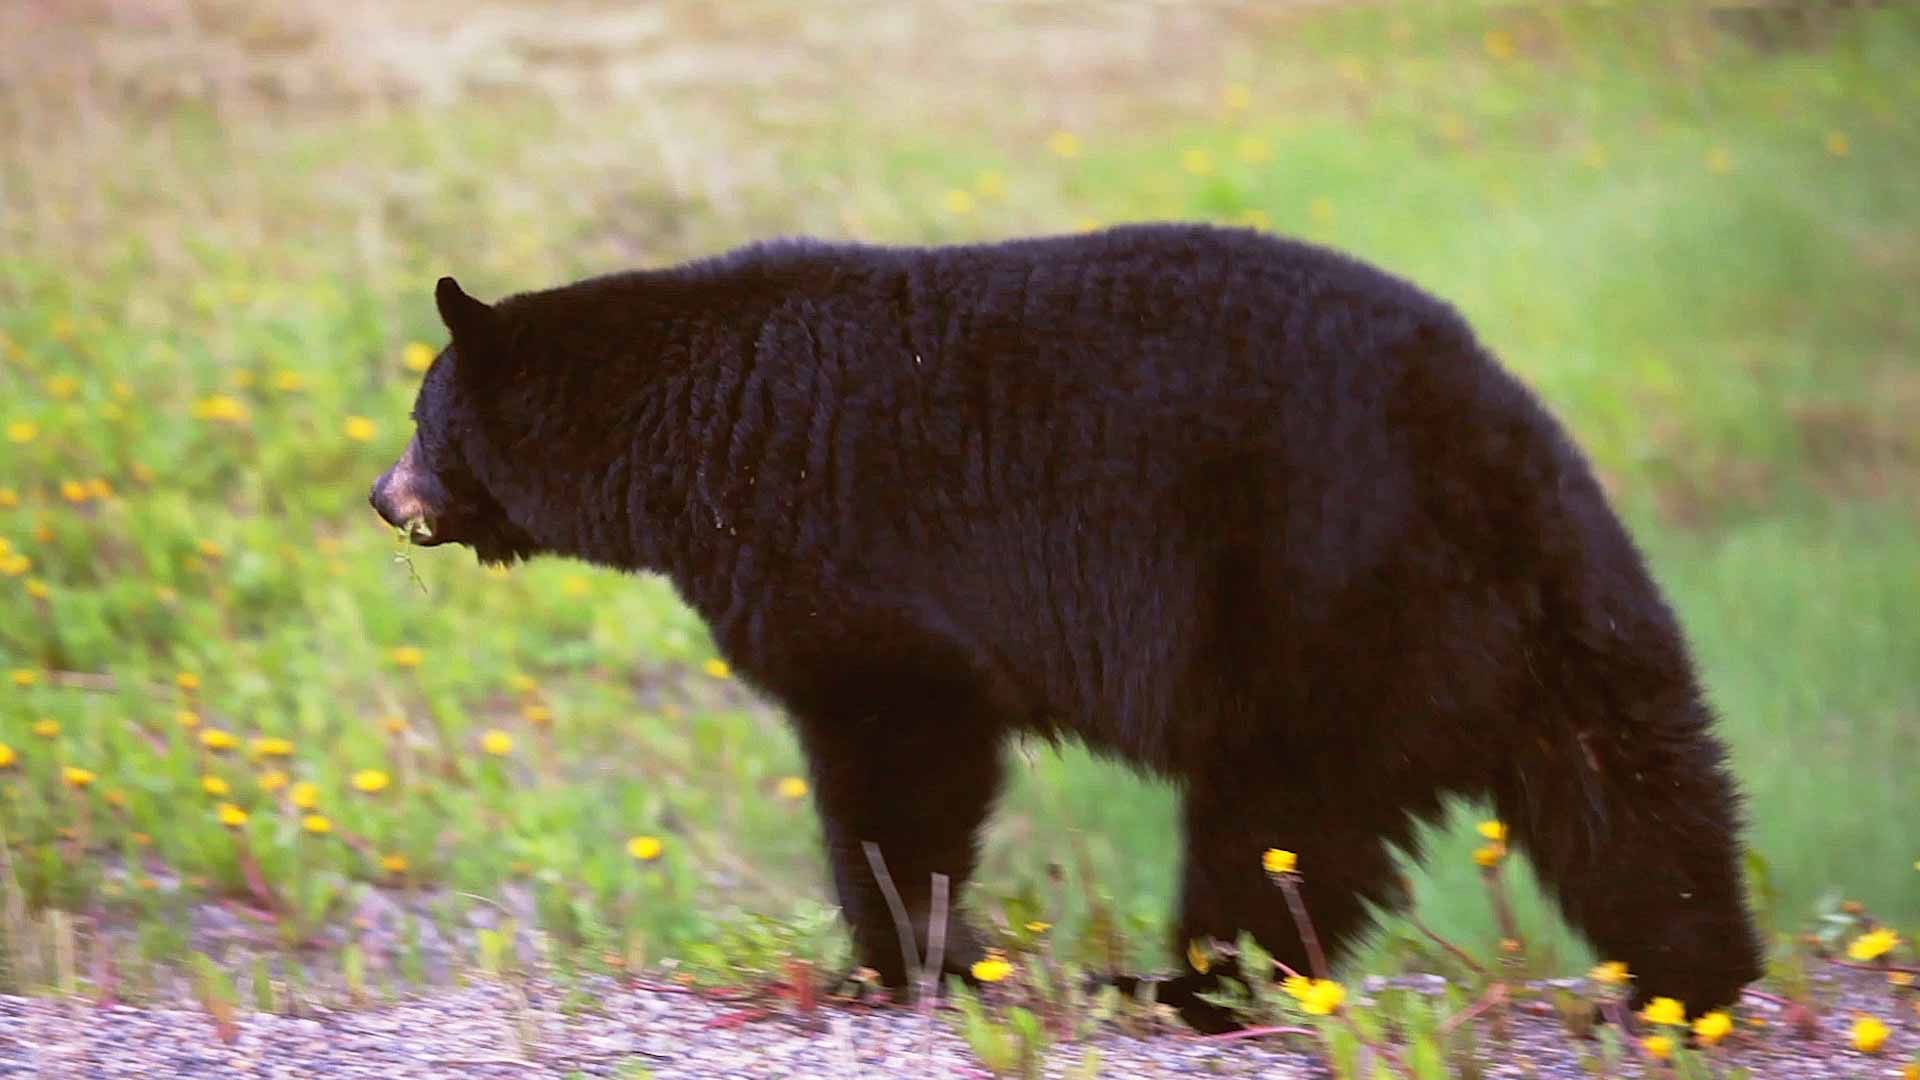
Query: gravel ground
column 478, row 1032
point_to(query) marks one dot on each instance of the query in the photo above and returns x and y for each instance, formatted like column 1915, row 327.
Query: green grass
column 1701, row 254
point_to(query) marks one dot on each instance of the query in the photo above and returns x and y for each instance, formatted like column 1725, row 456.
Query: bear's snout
column 399, row 496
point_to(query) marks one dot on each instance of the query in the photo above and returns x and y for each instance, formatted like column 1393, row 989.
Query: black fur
column 1240, row 511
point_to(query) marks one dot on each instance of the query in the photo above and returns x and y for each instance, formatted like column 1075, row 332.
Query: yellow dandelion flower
column 1253, row 149
column 371, row 781
column 992, row 969
column 317, row 824
column 273, row 746
column 212, row 550
column 1495, row 831
column 215, row 786
column 1499, row 44
column 1236, row 97
column 1869, row 1034
column 1199, row 957
column 305, row 794
column 8, row 756
column 417, row 356
column 1873, row 945
column 1489, row 856
column 291, row 382
column 74, row 491
column 1196, row 160
column 46, row 727
column 1719, row 161
column 522, row 684
column 1713, row 1027
column 272, row 780
column 232, row 816
column 38, row 589
column 717, row 668
column 645, row 848
column 1611, row 973
column 214, row 738
column 406, row 656
column 1658, row 1047
column 117, row 799
column 98, row 488
column 15, row 564
column 1279, row 861
column 1664, row 1010
column 957, row 201
column 1321, row 997
column 77, row 777
column 1838, row 144
column 62, row 386
column 9, row 498
column 24, row 676
column 220, row 408
column 536, row 713
column 1064, row 144
column 1038, row 926
column 990, row 184
column 187, row 718
column 187, row 680
column 792, row 787
column 497, row 742
column 360, row 429
column 394, row 864
column 576, row 586
column 22, row 432
column 1900, row 979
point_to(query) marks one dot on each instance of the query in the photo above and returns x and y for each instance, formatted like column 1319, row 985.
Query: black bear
column 1240, row 511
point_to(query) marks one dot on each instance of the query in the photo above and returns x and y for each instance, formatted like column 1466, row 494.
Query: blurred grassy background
column 1695, row 230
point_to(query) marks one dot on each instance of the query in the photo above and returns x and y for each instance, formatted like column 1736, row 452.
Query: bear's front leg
column 918, row 787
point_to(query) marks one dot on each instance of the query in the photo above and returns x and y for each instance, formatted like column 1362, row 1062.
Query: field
column 237, row 721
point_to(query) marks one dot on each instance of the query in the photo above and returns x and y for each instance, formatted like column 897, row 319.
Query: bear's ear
column 467, row 319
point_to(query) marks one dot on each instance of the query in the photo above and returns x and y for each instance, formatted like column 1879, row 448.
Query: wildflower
column 1659, row 1047
column 406, row 656
column 73, row 491
column 992, row 969
column 1873, row 945
column 497, row 742
column 1321, row 997
column 187, row 680
column 957, row 201
column 7, row 756
column 1868, row 1034
column 98, row 488
column 187, row 718
column 305, row 794
column 1489, row 856
column 394, row 725
column 1038, row 926
column 1511, row 946
column 272, row 780
column 990, row 184
column 232, row 816
column 371, row 781
column 1253, row 149
column 394, row 864
column 46, row 727
column 22, row 432
column 1495, row 831
column 576, row 585
column 212, row 550
column 117, row 799
column 38, row 589
column 14, row 564
column 216, row 739
column 1064, row 144
column 644, row 848
column 521, row 683
column 1713, row 1027
column 1279, row 861
column 417, row 356
column 1196, row 161
column 24, row 676
column 77, row 777
column 1199, row 957
column 536, row 713
column 1902, row 980
column 792, row 787
column 1236, row 96
column 1664, row 1010
column 273, row 746
column 1499, row 44
column 360, row 429
column 220, row 408
column 215, row 786
column 9, row 498
column 317, row 824
column 1611, row 973
column 717, row 668
column 291, row 382
column 1838, row 144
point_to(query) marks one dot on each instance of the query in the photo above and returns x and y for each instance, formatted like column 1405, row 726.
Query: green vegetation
column 1703, row 252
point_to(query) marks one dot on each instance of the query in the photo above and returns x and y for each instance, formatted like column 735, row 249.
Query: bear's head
column 449, row 485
